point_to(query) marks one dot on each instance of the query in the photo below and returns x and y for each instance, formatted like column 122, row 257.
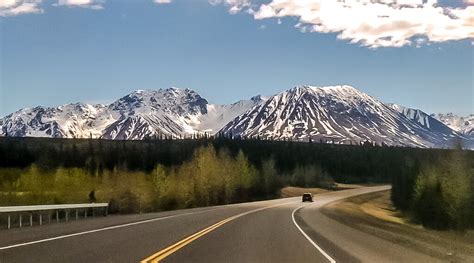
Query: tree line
column 209, row 177
column 439, row 192
column 346, row 163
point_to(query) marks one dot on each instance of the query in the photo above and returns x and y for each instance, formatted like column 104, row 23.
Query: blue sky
column 64, row 53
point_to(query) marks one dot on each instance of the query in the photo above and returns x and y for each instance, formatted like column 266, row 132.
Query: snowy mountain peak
column 258, row 98
column 340, row 114
column 172, row 99
column 173, row 111
column 341, row 91
column 420, row 117
column 336, row 113
column 462, row 124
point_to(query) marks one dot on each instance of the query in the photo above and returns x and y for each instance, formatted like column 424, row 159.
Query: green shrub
column 444, row 192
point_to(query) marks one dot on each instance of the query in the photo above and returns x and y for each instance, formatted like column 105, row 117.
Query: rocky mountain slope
column 464, row 125
column 341, row 114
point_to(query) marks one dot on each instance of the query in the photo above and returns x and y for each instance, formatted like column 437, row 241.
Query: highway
column 280, row 230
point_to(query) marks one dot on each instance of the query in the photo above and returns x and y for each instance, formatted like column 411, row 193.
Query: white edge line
column 308, row 238
column 128, row 224
column 101, row 229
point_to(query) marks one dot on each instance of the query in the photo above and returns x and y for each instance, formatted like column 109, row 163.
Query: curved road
column 281, row 230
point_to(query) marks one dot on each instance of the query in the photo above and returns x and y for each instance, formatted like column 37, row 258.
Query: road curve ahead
column 281, row 230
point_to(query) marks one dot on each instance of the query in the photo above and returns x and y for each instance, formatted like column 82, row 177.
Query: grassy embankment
column 375, row 214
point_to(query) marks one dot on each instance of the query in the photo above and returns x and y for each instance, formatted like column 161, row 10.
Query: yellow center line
column 162, row 254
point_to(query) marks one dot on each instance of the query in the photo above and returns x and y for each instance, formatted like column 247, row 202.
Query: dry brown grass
column 374, row 214
column 291, row 191
column 382, row 208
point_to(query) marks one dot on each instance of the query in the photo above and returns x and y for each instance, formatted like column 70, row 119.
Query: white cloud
column 377, row 23
column 235, row 6
column 93, row 4
column 17, row 7
column 163, row 1
column 7, row 3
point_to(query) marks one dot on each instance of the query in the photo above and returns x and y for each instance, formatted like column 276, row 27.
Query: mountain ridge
column 340, row 114
column 143, row 113
column 336, row 113
column 462, row 124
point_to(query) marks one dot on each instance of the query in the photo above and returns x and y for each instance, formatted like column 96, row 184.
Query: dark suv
column 307, row 197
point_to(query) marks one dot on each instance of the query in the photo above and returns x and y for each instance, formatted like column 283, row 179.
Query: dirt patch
column 380, row 207
column 349, row 186
column 374, row 214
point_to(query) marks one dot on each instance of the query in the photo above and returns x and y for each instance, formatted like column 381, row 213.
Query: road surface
column 281, row 230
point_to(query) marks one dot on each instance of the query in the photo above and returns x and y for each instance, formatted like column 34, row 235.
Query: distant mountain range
column 463, row 125
column 336, row 114
column 138, row 115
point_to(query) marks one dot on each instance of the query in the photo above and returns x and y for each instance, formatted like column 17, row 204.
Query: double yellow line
column 162, row 254
column 157, row 257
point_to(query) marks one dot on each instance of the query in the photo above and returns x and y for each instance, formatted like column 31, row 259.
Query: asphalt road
column 281, row 230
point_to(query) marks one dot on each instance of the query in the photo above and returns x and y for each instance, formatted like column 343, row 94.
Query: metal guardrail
column 31, row 208
column 67, row 208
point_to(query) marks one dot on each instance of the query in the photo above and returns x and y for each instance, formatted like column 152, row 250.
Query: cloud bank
column 235, row 6
column 377, row 23
column 18, row 7
column 371, row 23
column 93, row 4
column 162, row 1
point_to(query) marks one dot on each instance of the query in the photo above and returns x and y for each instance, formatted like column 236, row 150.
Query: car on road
column 307, row 197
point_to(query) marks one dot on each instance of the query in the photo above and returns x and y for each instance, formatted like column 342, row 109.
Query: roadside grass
column 378, row 206
column 375, row 214
column 293, row 191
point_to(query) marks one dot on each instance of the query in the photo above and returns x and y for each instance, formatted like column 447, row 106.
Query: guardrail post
column 85, row 213
column 67, row 215
column 31, row 219
column 77, row 214
column 41, row 219
column 106, row 210
column 93, row 212
column 9, row 222
column 57, row 216
column 20, row 220
column 49, row 217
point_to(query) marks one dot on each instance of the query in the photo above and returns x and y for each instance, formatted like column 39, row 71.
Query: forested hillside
column 345, row 163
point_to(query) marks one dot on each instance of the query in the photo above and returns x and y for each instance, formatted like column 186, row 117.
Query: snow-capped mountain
column 219, row 115
column 144, row 113
column 151, row 112
column 67, row 121
column 339, row 113
column 464, row 125
column 422, row 118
